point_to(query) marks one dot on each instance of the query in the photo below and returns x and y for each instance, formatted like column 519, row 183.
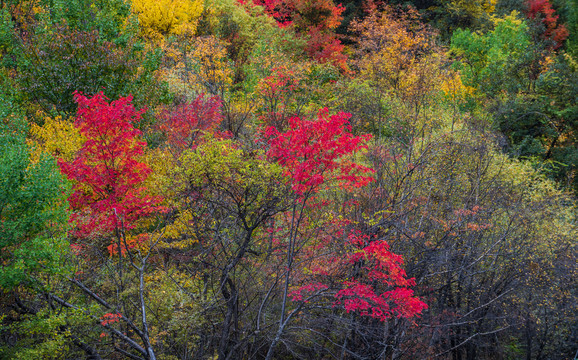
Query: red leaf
column 107, row 174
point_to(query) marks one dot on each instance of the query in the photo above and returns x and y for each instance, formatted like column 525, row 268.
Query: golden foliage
column 58, row 137
column 197, row 67
column 455, row 90
column 158, row 18
column 397, row 52
column 210, row 62
column 475, row 9
column 250, row 22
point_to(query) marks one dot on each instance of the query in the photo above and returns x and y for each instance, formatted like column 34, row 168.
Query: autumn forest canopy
column 288, row 179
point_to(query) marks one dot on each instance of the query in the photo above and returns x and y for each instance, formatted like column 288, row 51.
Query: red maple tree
column 542, row 10
column 314, row 151
column 107, row 174
column 380, row 289
column 316, row 154
column 184, row 124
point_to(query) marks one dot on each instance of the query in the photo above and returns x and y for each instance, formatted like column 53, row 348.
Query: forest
column 289, row 179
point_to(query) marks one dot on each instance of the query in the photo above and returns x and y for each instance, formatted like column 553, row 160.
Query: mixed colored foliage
column 288, row 179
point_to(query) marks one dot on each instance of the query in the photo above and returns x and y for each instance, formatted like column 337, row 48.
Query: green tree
column 111, row 18
column 543, row 125
column 572, row 14
column 497, row 61
column 33, row 209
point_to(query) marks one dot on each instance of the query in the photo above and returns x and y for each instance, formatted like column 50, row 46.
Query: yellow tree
column 471, row 10
column 158, row 18
column 392, row 49
column 57, row 137
column 400, row 68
